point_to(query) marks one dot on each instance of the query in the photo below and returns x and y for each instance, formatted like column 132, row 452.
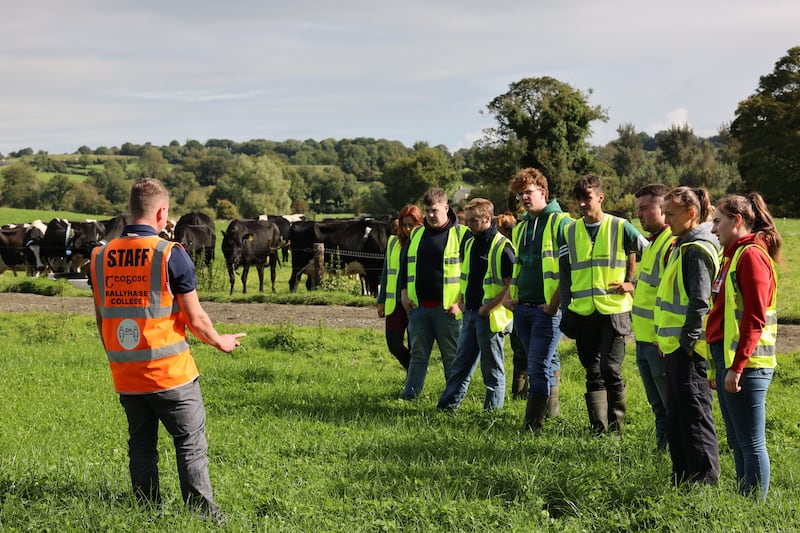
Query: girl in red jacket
column 741, row 331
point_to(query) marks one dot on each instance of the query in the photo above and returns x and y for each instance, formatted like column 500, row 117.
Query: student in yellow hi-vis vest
column 389, row 305
column 430, row 274
column 534, row 295
column 741, row 331
column 652, row 365
column 485, row 277
column 145, row 298
column 682, row 303
column 597, row 267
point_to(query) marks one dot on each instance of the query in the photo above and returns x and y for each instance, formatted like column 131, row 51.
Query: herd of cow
column 63, row 247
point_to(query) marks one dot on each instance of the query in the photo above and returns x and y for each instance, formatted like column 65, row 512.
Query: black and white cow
column 195, row 232
column 250, row 242
column 19, row 248
column 67, row 246
column 359, row 244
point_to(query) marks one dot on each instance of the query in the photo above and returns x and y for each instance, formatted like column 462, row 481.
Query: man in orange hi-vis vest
column 145, row 298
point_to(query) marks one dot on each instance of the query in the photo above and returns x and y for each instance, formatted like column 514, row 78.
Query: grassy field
column 306, row 433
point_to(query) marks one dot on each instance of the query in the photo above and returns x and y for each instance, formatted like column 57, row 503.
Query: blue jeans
column 426, row 324
column 653, row 369
column 476, row 341
column 182, row 412
column 744, row 413
column 540, row 335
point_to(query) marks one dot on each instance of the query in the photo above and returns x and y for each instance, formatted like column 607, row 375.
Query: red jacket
column 755, row 267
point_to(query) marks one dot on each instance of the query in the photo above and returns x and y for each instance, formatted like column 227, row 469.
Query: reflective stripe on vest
column 672, row 302
column 142, row 326
column 647, row 278
column 549, row 254
column 764, row 354
column 493, row 283
column 594, row 266
column 451, row 269
column 392, row 269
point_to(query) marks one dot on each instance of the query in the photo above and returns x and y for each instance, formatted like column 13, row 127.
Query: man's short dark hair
column 659, row 190
column 585, row 184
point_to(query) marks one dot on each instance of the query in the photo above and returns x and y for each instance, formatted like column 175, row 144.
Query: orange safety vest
column 144, row 332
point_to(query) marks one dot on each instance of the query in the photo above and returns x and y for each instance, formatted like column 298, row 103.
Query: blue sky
column 105, row 72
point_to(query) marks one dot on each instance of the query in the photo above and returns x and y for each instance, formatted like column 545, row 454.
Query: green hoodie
column 530, row 281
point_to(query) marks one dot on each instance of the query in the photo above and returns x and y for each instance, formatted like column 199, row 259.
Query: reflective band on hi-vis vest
column 549, row 255
column 142, row 326
column 493, row 283
column 672, row 302
column 647, row 278
column 392, row 269
column 451, row 271
column 764, row 354
column 594, row 267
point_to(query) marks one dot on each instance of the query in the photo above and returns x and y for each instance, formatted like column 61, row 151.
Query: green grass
column 306, row 433
column 10, row 215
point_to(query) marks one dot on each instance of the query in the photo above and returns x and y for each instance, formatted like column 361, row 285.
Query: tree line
column 540, row 122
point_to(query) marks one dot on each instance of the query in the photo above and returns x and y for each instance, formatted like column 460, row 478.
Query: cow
column 67, row 246
column 345, row 241
column 168, row 232
column 112, row 228
column 195, row 232
column 250, row 242
column 19, row 248
column 284, row 223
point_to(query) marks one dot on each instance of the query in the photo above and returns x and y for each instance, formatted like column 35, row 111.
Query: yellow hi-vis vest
column 451, row 269
column 764, row 354
column 493, row 283
column 143, row 329
column 392, row 269
column 595, row 267
column 672, row 302
column 549, row 255
column 647, row 278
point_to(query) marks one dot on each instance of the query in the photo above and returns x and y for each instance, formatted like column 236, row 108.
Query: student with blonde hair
column 682, row 303
column 485, row 278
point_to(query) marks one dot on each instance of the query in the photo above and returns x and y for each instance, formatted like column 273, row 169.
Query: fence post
column 319, row 263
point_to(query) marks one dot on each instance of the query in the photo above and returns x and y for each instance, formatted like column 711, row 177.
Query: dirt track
column 333, row 316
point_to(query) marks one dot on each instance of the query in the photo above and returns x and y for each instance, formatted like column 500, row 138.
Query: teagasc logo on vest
column 128, row 334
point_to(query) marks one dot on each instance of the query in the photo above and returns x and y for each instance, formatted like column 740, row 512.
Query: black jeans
column 690, row 426
column 601, row 350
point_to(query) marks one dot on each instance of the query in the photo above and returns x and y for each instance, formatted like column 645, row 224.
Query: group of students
column 701, row 306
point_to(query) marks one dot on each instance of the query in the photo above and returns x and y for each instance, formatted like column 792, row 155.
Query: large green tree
column 407, row 178
column 112, row 182
column 21, row 186
column 152, row 163
column 551, row 120
column 678, row 145
column 767, row 125
column 255, row 185
column 54, row 191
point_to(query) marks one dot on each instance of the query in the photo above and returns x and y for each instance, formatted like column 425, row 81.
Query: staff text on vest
column 127, row 257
